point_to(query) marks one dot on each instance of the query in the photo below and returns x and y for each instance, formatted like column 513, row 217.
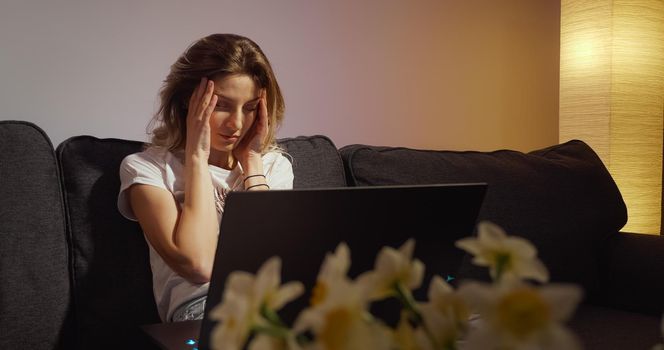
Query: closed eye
column 223, row 107
column 251, row 108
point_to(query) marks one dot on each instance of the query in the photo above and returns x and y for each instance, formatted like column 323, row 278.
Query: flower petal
column 532, row 268
column 308, row 319
column 335, row 265
column 407, row 248
column 239, row 283
column 480, row 296
column 268, row 277
column 416, row 274
column 563, row 298
column 438, row 288
column 286, row 294
column 470, row 245
column 521, row 247
column 490, row 234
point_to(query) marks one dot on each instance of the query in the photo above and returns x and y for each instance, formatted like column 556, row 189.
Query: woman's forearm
column 197, row 229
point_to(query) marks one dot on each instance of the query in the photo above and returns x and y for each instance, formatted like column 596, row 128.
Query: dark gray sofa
column 562, row 199
column 75, row 274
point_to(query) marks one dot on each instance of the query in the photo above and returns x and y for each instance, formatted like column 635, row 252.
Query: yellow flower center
column 318, row 293
column 335, row 331
column 455, row 307
column 522, row 312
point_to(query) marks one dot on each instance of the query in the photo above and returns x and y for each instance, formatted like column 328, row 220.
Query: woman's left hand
column 251, row 145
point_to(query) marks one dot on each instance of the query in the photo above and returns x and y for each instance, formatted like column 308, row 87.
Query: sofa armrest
column 633, row 273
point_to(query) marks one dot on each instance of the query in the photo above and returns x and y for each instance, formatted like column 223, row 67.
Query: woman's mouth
column 229, row 138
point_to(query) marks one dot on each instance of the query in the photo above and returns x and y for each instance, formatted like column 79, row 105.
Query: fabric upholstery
column 111, row 270
column 35, row 292
column 600, row 328
column 561, row 198
column 316, row 162
column 633, row 275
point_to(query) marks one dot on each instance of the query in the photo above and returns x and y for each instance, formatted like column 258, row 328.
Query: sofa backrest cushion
column 112, row 278
column 561, row 198
column 111, row 274
column 316, row 161
column 35, row 291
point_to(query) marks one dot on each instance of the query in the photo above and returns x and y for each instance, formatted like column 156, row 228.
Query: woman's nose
column 234, row 120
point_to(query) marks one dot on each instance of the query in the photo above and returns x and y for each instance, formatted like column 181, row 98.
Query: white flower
column 444, row 316
column 341, row 322
column 439, row 331
column 244, row 296
column 235, row 321
column 393, row 268
column 268, row 290
column 338, row 316
column 505, row 256
column 404, row 335
column 334, row 269
column 266, row 342
column 448, row 303
column 519, row 316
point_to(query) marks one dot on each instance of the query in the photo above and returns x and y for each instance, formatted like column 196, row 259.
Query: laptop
column 302, row 225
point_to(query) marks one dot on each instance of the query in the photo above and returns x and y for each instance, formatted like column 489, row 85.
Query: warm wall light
column 612, row 95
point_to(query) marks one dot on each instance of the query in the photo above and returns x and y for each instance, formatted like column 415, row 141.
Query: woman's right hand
column 201, row 105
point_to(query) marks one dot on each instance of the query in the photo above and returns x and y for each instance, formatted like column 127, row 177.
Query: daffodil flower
column 448, row 303
column 520, row 316
column 394, row 272
column 235, row 323
column 439, row 331
column 341, row 322
column 506, row 256
column 404, row 334
column 338, row 316
column 250, row 302
column 334, row 269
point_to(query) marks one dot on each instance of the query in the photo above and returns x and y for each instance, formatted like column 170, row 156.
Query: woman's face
column 235, row 112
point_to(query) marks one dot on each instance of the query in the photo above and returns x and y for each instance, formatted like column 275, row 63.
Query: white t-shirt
column 161, row 168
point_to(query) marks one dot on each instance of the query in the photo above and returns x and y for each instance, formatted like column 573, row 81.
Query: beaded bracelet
column 245, row 179
column 266, row 185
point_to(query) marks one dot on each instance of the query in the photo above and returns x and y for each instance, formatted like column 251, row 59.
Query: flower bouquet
column 519, row 309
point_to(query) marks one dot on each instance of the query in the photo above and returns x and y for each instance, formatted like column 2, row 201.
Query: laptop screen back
column 301, row 226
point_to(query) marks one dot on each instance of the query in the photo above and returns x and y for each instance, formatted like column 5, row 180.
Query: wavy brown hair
column 214, row 56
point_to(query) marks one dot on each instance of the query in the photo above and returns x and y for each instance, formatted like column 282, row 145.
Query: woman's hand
column 250, row 147
column 201, row 105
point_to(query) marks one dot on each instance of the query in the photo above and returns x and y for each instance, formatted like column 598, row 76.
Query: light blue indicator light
column 190, row 342
column 194, row 349
column 449, row 278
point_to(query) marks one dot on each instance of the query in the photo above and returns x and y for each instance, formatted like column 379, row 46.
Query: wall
column 439, row 74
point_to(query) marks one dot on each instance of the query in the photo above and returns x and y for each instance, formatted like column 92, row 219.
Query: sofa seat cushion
column 601, row 328
column 561, row 198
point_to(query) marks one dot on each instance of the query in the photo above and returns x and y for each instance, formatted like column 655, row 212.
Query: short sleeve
column 138, row 168
column 279, row 174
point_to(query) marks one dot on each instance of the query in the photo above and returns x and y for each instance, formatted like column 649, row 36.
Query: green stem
column 502, row 262
column 272, row 316
column 276, row 332
column 408, row 301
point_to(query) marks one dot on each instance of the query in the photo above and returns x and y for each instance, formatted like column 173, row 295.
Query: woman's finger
column 210, row 108
column 209, row 92
column 196, row 95
column 263, row 108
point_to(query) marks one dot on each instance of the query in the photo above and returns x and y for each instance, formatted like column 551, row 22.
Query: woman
column 220, row 108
